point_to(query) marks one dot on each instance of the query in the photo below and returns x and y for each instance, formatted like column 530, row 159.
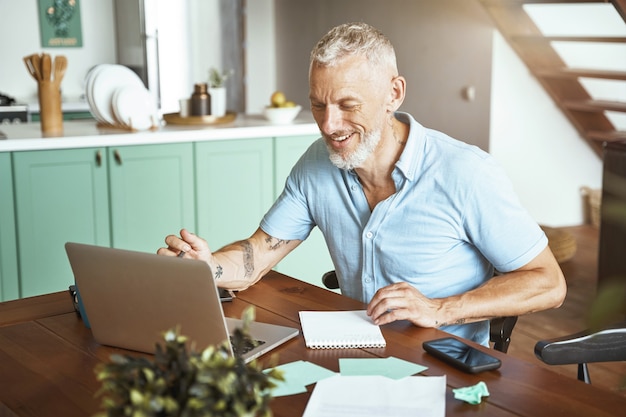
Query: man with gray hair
column 415, row 221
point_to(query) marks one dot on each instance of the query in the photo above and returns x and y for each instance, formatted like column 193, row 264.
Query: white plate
column 134, row 107
column 104, row 83
column 89, row 79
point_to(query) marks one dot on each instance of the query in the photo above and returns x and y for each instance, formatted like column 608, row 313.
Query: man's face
column 348, row 104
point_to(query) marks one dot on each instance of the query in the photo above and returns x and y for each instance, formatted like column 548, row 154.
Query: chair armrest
column 606, row 345
column 330, row 280
column 500, row 330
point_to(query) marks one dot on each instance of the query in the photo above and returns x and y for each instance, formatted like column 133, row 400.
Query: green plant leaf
column 180, row 382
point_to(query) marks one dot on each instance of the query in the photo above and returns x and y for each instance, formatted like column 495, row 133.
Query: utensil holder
column 50, row 107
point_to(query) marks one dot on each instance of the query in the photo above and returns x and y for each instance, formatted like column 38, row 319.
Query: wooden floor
column 581, row 274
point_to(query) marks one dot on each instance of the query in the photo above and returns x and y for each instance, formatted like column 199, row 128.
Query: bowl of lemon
column 281, row 110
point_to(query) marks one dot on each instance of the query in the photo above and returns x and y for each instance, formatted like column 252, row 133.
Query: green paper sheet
column 297, row 376
column 390, row 367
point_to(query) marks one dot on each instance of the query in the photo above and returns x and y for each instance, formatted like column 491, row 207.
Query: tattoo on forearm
column 459, row 321
column 219, row 271
column 248, row 258
column 275, row 243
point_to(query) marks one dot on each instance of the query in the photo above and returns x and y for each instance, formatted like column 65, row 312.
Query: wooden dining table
column 48, row 356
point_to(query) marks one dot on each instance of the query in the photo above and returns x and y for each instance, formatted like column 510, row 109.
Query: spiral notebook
column 340, row 329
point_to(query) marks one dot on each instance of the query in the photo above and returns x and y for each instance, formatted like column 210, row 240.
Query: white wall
column 177, row 54
column 431, row 39
column 190, row 41
column 19, row 31
column 260, row 54
column 541, row 151
column 206, row 38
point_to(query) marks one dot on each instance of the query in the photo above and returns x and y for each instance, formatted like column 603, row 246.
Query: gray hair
column 354, row 39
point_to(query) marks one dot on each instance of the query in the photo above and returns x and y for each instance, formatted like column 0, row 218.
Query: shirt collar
column 413, row 151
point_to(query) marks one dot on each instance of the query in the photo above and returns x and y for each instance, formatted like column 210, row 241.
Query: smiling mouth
column 341, row 138
column 339, row 141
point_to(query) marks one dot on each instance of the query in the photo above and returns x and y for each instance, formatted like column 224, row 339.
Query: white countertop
column 85, row 133
column 76, row 105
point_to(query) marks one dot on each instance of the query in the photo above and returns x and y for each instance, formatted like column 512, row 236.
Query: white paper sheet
column 365, row 396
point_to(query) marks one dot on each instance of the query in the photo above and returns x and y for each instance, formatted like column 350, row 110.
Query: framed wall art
column 59, row 23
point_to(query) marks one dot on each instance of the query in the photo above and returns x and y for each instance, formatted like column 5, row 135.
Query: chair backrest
column 609, row 343
column 612, row 244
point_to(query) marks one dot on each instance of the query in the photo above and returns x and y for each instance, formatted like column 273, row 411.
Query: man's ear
column 398, row 91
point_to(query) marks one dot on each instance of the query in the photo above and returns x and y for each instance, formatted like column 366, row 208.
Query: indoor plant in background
column 179, row 382
column 217, row 90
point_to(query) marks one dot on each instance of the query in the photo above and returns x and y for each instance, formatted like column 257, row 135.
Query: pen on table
column 181, row 254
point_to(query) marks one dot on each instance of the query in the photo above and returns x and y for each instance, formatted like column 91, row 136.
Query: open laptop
column 131, row 298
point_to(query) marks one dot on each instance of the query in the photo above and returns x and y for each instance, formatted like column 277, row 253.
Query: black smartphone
column 461, row 355
column 225, row 295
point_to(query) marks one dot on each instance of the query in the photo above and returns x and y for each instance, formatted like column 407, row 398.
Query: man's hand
column 188, row 245
column 402, row 301
column 536, row 286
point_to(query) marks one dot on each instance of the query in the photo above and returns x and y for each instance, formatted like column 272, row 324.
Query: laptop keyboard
column 250, row 344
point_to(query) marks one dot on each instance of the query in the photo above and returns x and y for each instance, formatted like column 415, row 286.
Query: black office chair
column 607, row 343
column 500, row 327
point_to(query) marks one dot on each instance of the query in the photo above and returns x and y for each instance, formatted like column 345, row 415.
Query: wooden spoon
column 46, row 67
column 60, row 65
column 30, row 67
column 35, row 61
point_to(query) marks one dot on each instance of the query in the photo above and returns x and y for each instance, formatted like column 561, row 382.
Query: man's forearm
column 239, row 265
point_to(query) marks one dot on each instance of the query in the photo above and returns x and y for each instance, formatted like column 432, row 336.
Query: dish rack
column 128, row 128
column 118, row 99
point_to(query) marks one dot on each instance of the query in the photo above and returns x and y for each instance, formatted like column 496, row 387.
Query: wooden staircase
column 561, row 82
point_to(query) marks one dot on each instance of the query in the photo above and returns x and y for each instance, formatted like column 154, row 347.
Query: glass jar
column 200, row 100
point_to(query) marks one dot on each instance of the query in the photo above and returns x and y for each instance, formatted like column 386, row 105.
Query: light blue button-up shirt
column 453, row 218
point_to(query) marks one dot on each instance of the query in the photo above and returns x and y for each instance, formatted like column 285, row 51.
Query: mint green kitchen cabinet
column 9, row 282
column 311, row 259
column 127, row 197
column 60, row 196
column 131, row 197
column 234, row 188
column 152, row 194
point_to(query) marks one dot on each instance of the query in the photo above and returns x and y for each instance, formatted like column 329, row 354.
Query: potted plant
column 217, row 90
column 180, row 382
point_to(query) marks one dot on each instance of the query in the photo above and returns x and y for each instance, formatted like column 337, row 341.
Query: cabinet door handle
column 117, row 156
column 98, row 158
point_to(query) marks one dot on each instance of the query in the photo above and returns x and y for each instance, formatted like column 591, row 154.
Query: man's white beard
column 354, row 160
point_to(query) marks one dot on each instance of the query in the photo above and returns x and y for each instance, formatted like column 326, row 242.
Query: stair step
column 517, row 2
column 579, row 72
column 595, row 105
column 548, row 39
column 563, row 84
column 608, row 136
